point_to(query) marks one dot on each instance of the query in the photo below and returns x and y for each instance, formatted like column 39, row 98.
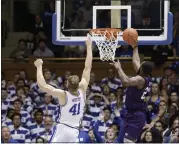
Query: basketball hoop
column 106, row 40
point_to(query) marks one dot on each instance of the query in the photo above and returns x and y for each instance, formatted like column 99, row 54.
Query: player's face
column 148, row 137
column 174, row 97
column 47, row 75
column 91, row 134
column 110, row 134
column 158, row 126
column 154, row 89
column 16, row 121
column 73, row 82
column 5, row 133
column 112, row 97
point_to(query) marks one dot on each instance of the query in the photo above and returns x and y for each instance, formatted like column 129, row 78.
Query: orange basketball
column 130, row 36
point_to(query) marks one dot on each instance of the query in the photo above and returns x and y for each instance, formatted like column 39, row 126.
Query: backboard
column 74, row 18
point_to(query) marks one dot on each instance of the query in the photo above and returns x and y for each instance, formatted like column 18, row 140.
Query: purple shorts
column 133, row 124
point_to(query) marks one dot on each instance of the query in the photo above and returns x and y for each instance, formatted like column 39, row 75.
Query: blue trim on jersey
column 53, row 134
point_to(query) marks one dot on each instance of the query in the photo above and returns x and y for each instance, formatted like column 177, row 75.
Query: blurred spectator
column 6, row 135
column 19, row 133
column 48, row 124
column 43, row 50
column 21, row 51
column 48, row 108
column 31, row 43
column 111, row 80
column 95, row 88
column 38, row 25
column 38, row 125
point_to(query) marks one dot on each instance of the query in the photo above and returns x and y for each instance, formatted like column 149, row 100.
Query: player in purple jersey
column 137, row 89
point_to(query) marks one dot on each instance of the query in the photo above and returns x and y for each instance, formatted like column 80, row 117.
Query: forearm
column 136, row 58
column 123, row 77
column 40, row 78
column 159, row 115
column 89, row 57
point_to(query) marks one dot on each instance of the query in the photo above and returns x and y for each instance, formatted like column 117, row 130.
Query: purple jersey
column 135, row 98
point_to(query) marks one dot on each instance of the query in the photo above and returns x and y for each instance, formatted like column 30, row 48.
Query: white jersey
column 72, row 111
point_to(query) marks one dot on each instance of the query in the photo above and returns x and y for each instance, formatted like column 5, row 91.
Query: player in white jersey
column 71, row 101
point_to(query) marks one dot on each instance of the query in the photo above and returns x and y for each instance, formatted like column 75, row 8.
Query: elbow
column 126, row 82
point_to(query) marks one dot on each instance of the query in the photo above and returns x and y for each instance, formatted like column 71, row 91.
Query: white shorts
column 64, row 134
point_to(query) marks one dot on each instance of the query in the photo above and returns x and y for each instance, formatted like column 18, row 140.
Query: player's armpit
column 135, row 81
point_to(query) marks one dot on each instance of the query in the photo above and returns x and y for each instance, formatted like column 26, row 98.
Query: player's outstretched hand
column 38, row 62
column 135, row 44
column 88, row 41
column 117, row 64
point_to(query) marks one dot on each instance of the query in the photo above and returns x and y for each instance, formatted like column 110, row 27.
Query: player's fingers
column 111, row 63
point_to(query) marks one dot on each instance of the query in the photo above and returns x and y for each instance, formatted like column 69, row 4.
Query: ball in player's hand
column 130, row 36
column 38, row 62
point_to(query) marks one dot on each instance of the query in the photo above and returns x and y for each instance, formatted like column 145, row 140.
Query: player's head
column 145, row 69
column 73, row 82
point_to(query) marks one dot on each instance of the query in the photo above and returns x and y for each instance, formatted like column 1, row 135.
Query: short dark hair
column 18, row 100
column 38, row 111
column 107, row 108
column 147, row 68
column 16, row 114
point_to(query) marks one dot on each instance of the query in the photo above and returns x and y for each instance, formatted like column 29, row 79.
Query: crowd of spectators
column 29, row 115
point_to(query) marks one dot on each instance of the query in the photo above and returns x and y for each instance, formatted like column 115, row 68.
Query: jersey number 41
column 75, row 109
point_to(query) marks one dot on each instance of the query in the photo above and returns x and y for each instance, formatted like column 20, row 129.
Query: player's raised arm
column 135, row 57
column 88, row 65
column 48, row 88
column 126, row 81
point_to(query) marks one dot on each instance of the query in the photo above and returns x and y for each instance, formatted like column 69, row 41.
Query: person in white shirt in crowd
column 19, row 133
column 48, row 124
column 38, row 124
column 112, row 81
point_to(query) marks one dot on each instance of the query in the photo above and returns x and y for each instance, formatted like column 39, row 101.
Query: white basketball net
column 106, row 42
